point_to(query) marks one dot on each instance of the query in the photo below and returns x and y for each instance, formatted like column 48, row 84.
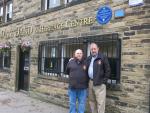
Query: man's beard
column 94, row 55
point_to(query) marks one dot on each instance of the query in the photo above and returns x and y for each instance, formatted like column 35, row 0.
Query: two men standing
column 95, row 70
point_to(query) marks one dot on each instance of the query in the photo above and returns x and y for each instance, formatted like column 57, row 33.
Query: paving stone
column 11, row 102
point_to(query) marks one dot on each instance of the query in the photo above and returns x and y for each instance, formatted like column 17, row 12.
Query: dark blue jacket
column 78, row 74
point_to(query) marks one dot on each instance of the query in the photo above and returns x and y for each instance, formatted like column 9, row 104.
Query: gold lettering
column 28, row 30
column 85, row 21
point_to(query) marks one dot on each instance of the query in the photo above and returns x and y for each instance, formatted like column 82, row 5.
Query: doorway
column 23, row 69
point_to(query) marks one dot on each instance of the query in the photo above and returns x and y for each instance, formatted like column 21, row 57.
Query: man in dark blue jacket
column 99, row 72
column 78, row 82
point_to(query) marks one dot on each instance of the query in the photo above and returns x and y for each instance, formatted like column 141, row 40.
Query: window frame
column 3, row 66
column 9, row 5
column 63, row 4
column 46, row 4
column 2, row 15
column 43, row 57
column 86, row 41
column 5, row 4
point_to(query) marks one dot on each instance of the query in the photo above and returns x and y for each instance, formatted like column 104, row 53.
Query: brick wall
column 131, row 95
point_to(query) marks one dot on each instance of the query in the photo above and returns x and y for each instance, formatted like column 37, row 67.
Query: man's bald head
column 78, row 54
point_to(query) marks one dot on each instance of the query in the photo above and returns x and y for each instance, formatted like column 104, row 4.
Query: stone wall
column 131, row 95
column 22, row 8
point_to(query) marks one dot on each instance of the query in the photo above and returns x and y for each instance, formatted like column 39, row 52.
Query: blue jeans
column 80, row 95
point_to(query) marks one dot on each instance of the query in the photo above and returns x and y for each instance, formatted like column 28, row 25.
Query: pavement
column 18, row 102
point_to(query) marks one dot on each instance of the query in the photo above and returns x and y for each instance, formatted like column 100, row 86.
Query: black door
column 24, row 70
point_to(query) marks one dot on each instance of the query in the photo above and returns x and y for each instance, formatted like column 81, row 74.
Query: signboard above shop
column 104, row 15
column 135, row 2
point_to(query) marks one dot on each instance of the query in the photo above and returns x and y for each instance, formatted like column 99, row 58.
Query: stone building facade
column 42, row 34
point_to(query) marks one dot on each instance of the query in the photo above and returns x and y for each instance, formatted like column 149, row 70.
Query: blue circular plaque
column 104, row 15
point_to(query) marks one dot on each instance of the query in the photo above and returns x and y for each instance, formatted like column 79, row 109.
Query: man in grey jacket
column 78, row 82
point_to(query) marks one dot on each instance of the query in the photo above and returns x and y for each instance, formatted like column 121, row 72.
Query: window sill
column 5, row 70
column 6, row 23
column 76, row 3
column 54, row 78
column 54, row 9
column 114, row 87
column 110, row 86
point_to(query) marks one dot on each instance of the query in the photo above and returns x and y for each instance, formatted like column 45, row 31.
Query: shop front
column 36, row 46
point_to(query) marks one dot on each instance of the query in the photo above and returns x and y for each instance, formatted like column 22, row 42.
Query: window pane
column 9, row 11
column 51, row 65
column 50, row 51
column 50, row 59
column 53, row 3
column 68, row 1
column 1, row 11
column 6, row 59
column 70, row 49
column 109, row 48
column 69, row 52
column 1, row 60
column 6, row 62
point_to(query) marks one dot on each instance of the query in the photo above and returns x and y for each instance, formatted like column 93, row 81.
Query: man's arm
column 67, row 68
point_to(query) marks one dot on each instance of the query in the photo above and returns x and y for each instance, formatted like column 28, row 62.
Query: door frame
column 18, row 52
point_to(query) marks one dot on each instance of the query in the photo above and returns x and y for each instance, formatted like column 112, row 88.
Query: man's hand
column 71, row 59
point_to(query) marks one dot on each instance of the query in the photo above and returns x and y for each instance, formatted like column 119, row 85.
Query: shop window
column 48, row 4
column 6, row 7
column 1, row 13
column 54, row 55
column 4, row 60
column 73, row 1
column 9, row 11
